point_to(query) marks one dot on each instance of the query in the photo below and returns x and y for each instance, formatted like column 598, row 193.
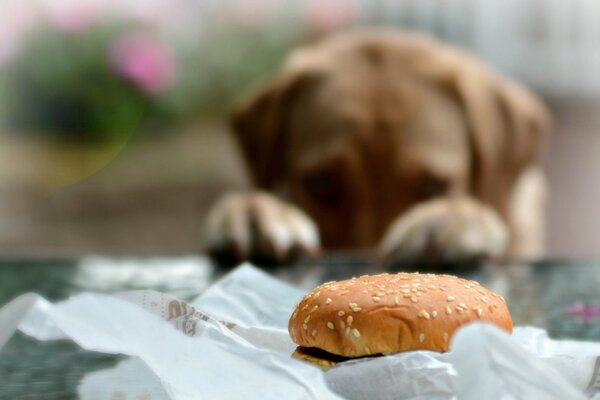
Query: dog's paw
column 258, row 226
column 445, row 230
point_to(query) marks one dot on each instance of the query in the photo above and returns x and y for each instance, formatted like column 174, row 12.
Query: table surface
column 560, row 296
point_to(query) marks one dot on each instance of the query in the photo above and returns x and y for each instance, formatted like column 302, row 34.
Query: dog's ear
column 261, row 125
column 507, row 129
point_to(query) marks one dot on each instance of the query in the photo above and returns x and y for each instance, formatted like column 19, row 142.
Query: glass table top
column 560, row 296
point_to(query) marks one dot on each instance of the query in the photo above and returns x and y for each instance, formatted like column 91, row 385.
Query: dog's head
column 359, row 128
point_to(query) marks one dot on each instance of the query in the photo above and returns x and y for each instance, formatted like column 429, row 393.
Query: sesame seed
column 341, row 313
column 367, row 350
column 414, row 290
column 451, row 298
column 304, row 326
column 314, row 309
column 431, row 287
column 342, row 324
column 422, row 337
column 314, row 333
column 460, row 310
column 381, row 294
column 305, row 307
column 491, row 308
column 306, row 319
column 349, row 319
column 442, row 288
column 365, row 291
column 355, row 332
column 294, row 314
column 397, row 300
column 357, row 309
column 479, row 311
column 413, row 299
column 392, row 291
column 344, row 292
column 330, row 325
column 495, row 305
column 352, row 305
column 448, row 310
column 484, row 299
column 317, row 294
column 405, row 291
column 463, row 305
column 419, row 294
column 348, row 331
column 376, row 299
column 407, row 295
column 445, row 336
column 328, row 301
column 434, row 314
column 424, row 314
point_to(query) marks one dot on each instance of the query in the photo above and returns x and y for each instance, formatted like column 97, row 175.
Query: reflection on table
column 561, row 297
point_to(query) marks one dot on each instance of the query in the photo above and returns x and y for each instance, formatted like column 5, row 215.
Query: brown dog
column 387, row 139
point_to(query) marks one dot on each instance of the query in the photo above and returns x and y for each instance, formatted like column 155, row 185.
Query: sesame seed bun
column 386, row 314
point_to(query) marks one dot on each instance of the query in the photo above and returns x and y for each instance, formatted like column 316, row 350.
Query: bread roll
column 386, row 314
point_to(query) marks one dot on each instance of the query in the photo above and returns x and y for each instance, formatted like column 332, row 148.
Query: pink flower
column 144, row 60
column 581, row 310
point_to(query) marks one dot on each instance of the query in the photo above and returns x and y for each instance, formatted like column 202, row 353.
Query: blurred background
column 113, row 132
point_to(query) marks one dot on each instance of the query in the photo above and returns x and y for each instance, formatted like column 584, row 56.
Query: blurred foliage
column 64, row 84
column 229, row 63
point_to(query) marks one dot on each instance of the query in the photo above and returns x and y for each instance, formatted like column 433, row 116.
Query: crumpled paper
column 232, row 342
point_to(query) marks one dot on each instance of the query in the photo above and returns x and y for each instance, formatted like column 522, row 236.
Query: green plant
column 64, row 84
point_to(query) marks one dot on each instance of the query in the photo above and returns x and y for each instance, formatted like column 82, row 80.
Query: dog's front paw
column 258, row 226
column 445, row 230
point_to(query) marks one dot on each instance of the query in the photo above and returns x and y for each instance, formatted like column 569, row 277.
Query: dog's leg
column 445, row 230
column 526, row 216
column 257, row 225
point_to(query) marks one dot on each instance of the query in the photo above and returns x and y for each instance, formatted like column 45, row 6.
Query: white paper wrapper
column 232, row 342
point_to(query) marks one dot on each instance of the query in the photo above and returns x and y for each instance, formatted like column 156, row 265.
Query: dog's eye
column 323, row 188
column 433, row 186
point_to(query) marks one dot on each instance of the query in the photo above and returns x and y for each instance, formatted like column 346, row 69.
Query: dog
column 388, row 141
